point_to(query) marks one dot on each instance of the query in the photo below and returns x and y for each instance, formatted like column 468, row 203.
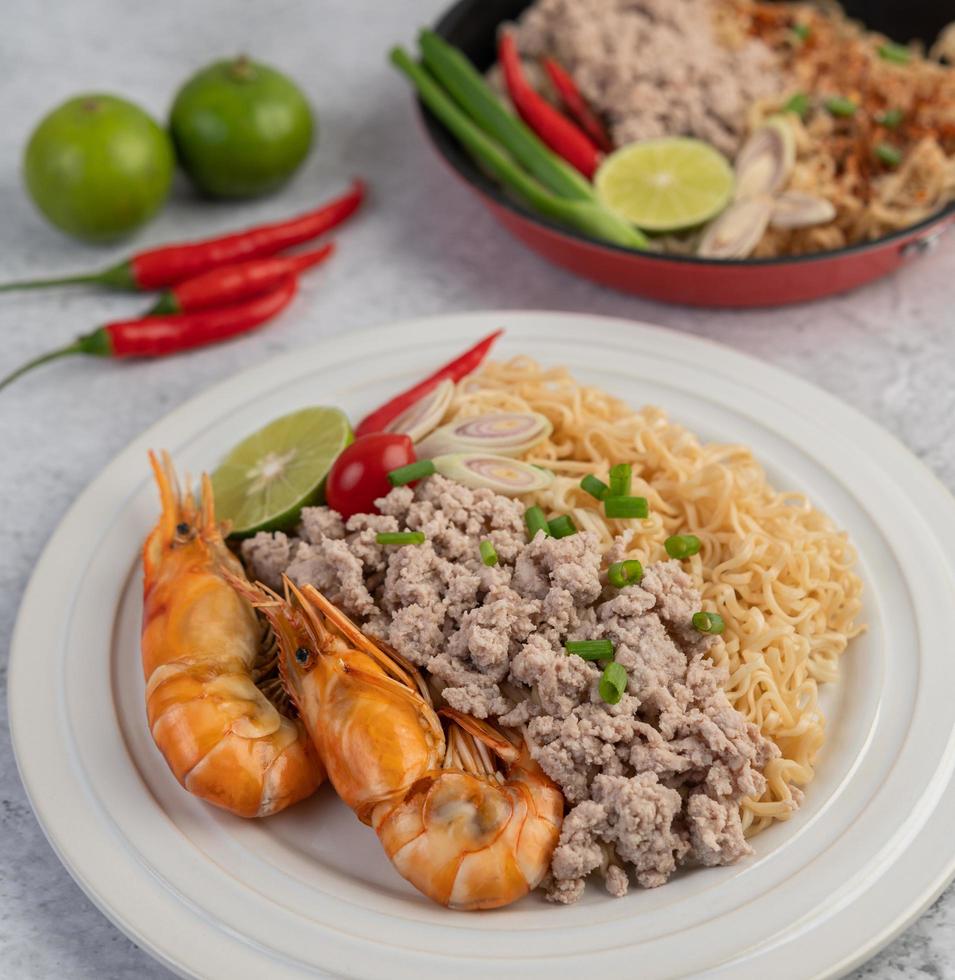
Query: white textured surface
column 422, row 246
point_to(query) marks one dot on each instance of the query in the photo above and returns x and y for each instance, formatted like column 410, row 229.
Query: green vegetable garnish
column 623, row 573
column 562, row 527
column 897, row 53
column 590, row 649
column 620, row 508
column 840, row 106
column 536, row 520
column 585, row 215
column 488, row 553
column 613, row 682
column 411, row 472
column 596, row 488
column 707, row 622
column 682, row 545
column 891, row 118
column 799, row 104
column 400, row 537
column 890, row 155
column 620, row 476
column 802, row 32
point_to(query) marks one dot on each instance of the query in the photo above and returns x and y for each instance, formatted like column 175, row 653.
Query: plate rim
column 458, row 325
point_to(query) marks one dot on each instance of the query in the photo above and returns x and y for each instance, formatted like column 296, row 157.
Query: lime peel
column 667, row 184
column 265, row 481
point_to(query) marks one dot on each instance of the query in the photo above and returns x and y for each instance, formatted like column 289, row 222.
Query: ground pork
column 652, row 782
column 654, row 67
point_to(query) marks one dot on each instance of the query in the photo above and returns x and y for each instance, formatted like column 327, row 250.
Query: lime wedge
column 267, row 479
column 665, row 184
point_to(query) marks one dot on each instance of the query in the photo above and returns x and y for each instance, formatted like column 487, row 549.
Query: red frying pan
column 471, row 25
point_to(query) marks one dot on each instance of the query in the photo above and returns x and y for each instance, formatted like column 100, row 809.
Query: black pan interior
column 471, row 25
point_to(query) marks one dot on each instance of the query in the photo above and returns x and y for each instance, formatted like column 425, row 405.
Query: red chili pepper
column 156, row 336
column 576, row 105
column 233, row 283
column 170, row 264
column 457, row 369
column 564, row 137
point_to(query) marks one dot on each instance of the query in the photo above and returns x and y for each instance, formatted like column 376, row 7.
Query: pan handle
column 928, row 241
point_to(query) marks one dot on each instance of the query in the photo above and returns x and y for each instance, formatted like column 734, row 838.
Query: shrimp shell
column 472, row 840
column 222, row 738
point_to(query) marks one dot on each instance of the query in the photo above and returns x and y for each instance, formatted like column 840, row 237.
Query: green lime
column 98, row 167
column 240, row 128
column 267, row 479
column 665, row 184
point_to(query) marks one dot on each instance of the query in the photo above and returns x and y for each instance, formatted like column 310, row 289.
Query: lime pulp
column 665, row 184
column 266, row 480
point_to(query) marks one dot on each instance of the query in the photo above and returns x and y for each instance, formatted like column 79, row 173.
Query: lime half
column 267, row 479
column 665, row 184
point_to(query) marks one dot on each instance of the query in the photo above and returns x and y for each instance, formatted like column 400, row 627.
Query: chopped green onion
column 890, row 155
column 840, row 106
column 623, row 573
column 623, row 507
column 536, row 520
column 802, row 31
column 596, row 488
column 897, row 53
column 891, row 118
column 620, row 479
column 682, row 545
column 590, row 649
column 411, row 472
column 707, row 622
column 562, row 527
column 798, row 104
column 488, row 553
column 400, row 537
column 613, row 682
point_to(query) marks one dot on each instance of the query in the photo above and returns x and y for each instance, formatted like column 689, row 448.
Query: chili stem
column 75, row 348
column 89, row 278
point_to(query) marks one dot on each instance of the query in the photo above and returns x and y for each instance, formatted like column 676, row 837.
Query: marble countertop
column 424, row 246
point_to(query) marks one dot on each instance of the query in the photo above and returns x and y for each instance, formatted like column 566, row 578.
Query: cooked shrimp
column 202, row 649
column 468, row 836
column 461, row 832
column 367, row 711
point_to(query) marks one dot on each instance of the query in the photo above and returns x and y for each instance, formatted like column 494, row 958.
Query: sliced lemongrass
column 765, row 163
column 501, row 474
column 501, row 433
column 738, row 230
column 796, row 209
column 425, row 414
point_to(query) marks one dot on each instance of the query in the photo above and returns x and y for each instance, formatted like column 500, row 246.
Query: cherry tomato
column 360, row 474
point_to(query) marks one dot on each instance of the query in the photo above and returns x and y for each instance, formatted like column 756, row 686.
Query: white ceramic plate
column 309, row 892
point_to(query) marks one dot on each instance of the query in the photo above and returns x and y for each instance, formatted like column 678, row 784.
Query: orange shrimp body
column 364, row 708
column 221, row 736
column 452, row 825
column 470, row 840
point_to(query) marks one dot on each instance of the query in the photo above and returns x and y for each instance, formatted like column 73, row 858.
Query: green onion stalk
column 585, row 216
